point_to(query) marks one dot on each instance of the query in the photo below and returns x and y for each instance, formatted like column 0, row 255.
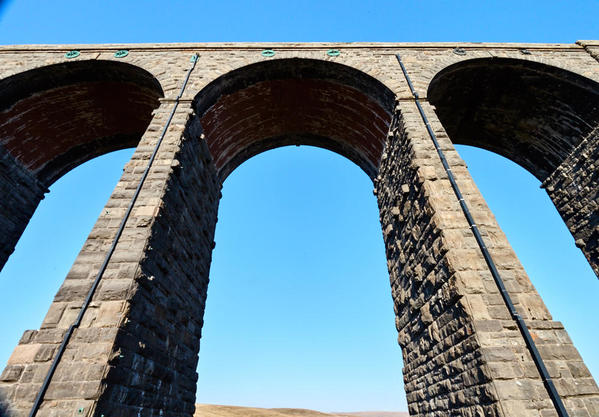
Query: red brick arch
column 56, row 117
column 295, row 102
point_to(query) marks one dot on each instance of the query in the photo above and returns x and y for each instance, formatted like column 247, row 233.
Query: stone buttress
column 574, row 189
column 21, row 193
column 136, row 350
column 463, row 353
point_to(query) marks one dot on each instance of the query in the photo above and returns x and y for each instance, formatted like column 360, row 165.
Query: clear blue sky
column 299, row 310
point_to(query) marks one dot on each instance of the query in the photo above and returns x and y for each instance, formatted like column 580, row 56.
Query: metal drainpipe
column 530, row 344
column 40, row 395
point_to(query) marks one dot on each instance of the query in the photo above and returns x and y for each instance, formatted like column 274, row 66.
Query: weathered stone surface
column 135, row 352
column 16, row 207
column 574, row 189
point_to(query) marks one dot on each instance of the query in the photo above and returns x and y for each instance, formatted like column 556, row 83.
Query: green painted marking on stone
column 194, row 58
column 333, row 52
column 72, row 54
column 121, row 54
column 80, row 411
column 268, row 53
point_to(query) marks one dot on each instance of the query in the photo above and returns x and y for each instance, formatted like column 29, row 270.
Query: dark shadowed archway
column 544, row 118
column 531, row 113
column 295, row 102
column 56, row 117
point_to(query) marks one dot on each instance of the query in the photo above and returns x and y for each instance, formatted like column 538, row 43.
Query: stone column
column 574, row 189
column 463, row 353
column 20, row 193
column 135, row 352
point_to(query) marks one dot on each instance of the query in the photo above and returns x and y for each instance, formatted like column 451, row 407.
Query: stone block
column 12, row 373
column 54, row 314
column 44, row 353
column 24, row 354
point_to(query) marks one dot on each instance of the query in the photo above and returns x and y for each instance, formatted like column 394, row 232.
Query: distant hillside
column 375, row 414
column 209, row 410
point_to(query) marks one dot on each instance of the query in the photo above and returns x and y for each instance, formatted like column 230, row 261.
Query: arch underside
column 57, row 117
column 531, row 113
column 295, row 102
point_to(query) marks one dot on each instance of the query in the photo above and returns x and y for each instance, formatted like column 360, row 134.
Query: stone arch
column 59, row 116
column 532, row 113
column 294, row 102
column 56, row 117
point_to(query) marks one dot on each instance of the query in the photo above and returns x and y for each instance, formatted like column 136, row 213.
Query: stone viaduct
column 122, row 335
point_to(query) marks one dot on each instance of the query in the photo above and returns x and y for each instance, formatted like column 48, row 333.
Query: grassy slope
column 208, row 410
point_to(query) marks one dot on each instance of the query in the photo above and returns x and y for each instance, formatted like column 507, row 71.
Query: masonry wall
column 21, row 193
column 436, row 333
column 154, row 373
column 574, row 189
column 463, row 354
column 140, row 336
